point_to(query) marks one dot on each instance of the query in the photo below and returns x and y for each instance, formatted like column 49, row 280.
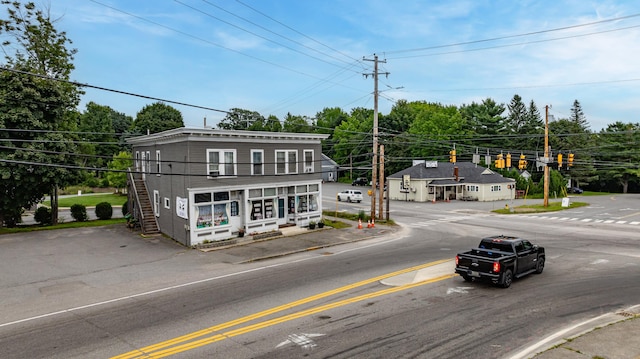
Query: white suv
column 350, row 195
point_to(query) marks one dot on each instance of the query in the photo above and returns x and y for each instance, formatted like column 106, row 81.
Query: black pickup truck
column 500, row 259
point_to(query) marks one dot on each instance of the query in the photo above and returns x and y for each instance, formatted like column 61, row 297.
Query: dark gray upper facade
column 180, row 165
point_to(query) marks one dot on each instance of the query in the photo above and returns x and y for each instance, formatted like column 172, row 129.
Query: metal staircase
column 142, row 208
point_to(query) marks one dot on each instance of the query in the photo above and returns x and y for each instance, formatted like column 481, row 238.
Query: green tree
column 240, row 119
column 619, row 154
column 532, row 131
column 515, row 121
column 96, row 131
column 577, row 116
column 567, row 136
column 157, row 117
column 486, row 122
column 37, row 108
column 353, row 141
column 393, row 134
column 120, row 163
column 435, row 130
column 296, row 124
column 326, row 121
column 272, row 124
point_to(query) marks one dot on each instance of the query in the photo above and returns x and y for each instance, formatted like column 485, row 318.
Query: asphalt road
column 105, row 292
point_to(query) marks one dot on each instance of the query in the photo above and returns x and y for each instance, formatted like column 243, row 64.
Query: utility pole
column 546, row 156
column 374, row 169
column 382, row 181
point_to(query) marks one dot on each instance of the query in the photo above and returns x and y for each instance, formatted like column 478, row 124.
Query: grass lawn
column 90, row 200
column 540, row 208
column 35, row 227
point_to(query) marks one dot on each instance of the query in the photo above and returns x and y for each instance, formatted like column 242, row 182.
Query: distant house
column 198, row 185
column 329, row 169
column 438, row 181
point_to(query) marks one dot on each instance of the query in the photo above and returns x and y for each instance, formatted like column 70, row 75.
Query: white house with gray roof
column 429, row 181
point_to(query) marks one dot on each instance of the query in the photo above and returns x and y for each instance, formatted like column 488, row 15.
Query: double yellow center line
column 188, row 341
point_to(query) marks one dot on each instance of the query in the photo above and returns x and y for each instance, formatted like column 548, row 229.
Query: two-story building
column 210, row 184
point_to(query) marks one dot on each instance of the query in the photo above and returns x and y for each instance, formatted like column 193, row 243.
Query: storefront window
column 221, row 216
column 313, row 203
column 204, row 219
column 214, row 213
column 256, row 210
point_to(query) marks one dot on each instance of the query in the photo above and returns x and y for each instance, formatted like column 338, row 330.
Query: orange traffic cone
column 373, row 223
column 368, row 224
column 359, row 223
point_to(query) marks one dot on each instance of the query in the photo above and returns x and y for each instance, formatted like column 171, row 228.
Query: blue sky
column 283, row 56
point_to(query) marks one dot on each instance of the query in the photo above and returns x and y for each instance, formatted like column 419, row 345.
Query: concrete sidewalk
column 290, row 240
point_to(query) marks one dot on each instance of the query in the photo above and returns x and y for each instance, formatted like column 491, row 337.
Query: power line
column 296, row 31
column 270, row 31
column 513, row 36
column 253, row 33
column 206, row 41
column 109, row 90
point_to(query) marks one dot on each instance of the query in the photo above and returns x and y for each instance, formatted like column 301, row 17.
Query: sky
column 299, row 57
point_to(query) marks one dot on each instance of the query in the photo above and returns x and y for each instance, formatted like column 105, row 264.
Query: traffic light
column 559, row 160
column 508, row 160
column 499, row 163
column 452, row 156
column 522, row 163
column 570, row 160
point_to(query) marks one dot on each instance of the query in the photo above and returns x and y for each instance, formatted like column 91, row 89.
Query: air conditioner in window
column 214, row 173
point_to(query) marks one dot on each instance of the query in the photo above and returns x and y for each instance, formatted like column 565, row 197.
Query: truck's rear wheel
column 467, row 278
column 507, row 278
column 540, row 265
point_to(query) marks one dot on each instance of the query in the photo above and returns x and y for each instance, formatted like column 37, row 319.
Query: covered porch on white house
column 444, row 190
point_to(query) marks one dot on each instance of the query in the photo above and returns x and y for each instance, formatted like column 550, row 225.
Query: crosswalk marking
column 436, row 221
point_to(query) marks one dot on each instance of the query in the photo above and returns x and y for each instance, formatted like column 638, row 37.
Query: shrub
column 104, row 210
column 125, row 208
column 43, row 215
column 91, row 181
column 79, row 212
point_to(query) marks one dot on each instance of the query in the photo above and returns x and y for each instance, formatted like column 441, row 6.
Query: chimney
column 455, row 173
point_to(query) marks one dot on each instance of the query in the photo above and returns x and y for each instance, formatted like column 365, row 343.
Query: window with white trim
column 307, row 198
column 148, row 162
column 308, row 161
column 158, row 163
column 212, row 210
column 156, row 203
column 496, row 188
column 143, row 163
column 221, row 163
column 262, row 203
column 257, row 162
column 286, row 162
